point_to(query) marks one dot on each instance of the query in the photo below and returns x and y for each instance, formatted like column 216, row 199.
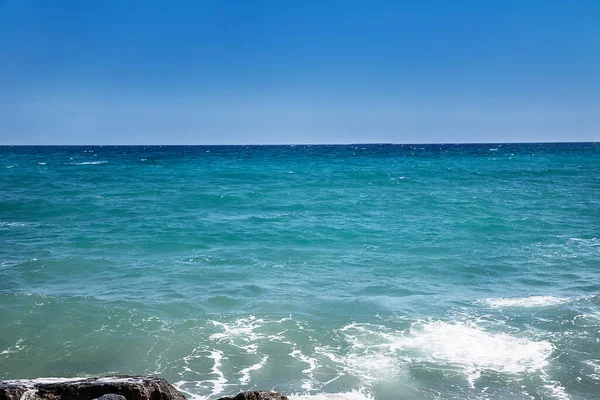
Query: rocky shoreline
column 107, row 388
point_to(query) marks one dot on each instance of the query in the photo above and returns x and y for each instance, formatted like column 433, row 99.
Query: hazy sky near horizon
column 226, row 72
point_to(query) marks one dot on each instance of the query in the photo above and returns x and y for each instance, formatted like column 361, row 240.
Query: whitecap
column 91, row 163
column 14, row 349
column 8, row 225
column 474, row 350
column 378, row 353
column 532, row 301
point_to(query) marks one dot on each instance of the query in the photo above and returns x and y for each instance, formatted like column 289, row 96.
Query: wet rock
column 111, row 396
column 257, row 395
column 107, row 388
column 11, row 393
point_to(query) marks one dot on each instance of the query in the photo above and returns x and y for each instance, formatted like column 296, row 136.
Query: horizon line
column 297, row 144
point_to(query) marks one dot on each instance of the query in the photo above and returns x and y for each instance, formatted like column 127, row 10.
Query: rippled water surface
column 328, row 272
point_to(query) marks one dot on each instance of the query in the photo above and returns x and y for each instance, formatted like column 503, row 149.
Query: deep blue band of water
column 341, row 272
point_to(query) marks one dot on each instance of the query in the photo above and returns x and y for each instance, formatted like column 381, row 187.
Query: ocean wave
column 14, row 349
column 532, row 301
column 587, row 320
column 10, row 225
column 588, row 242
column 475, row 350
column 31, row 382
column 378, row 353
column 354, row 361
column 595, row 365
column 89, row 163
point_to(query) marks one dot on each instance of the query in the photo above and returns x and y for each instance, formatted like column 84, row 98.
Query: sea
column 355, row 272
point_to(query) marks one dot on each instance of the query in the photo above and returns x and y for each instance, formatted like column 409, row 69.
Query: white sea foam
column 532, row 301
column 118, row 379
column 245, row 379
column 353, row 395
column 195, row 354
column 469, row 347
column 180, row 386
column 240, row 333
column 372, row 356
column 595, row 364
column 587, row 320
column 379, row 353
column 588, row 242
column 31, row 382
column 91, row 163
column 312, row 365
column 14, row 349
column 8, row 225
column 218, row 383
column 215, row 386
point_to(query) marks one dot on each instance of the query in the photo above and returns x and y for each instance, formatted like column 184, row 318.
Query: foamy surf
column 379, row 353
column 90, row 163
column 51, row 380
column 475, row 350
column 532, row 301
column 352, row 395
column 245, row 379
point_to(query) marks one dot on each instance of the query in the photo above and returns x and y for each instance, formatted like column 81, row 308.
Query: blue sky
column 226, row 72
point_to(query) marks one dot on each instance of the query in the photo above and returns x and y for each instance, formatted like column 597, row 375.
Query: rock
column 107, row 388
column 11, row 393
column 111, row 396
column 257, row 395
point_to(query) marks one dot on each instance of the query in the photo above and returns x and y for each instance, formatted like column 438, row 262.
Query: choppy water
column 329, row 272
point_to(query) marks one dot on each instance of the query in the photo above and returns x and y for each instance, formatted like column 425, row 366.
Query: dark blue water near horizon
column 379, row 271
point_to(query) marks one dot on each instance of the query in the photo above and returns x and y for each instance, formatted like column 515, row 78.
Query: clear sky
column 327, row 71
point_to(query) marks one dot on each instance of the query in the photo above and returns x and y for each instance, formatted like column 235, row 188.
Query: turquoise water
column 328, row 272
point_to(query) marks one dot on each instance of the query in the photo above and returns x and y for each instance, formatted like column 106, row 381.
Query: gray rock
column 111, row 396
column 119, row 387
column 257, row 395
